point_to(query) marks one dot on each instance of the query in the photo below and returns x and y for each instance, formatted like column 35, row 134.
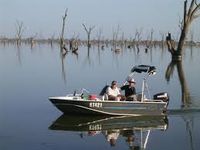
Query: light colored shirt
column 113, row 92
column 112, row 136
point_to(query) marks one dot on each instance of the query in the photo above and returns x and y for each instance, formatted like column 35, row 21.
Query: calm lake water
column 29, row 121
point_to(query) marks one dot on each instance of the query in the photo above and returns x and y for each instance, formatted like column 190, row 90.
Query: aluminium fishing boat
column 90, row 104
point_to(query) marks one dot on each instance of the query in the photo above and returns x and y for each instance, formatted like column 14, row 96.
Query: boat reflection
column 134, row 130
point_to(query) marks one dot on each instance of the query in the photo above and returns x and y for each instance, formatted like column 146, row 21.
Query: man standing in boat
column 130, row 91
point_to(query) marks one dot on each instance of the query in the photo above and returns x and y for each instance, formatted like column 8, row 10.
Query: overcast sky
column 44, row 17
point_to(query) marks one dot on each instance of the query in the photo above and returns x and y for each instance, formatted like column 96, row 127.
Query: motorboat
column 85, row 103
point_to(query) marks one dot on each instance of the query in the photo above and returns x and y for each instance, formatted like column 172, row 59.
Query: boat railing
column 84, row 90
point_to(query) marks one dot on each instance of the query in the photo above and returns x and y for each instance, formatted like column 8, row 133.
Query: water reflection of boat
column 135, row 130
column 81, row 104
column 87, row 123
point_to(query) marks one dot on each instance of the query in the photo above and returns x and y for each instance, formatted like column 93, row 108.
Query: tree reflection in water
column 186, row 98
column 62, row 56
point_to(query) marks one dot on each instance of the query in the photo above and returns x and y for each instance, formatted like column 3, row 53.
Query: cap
column 132, row 81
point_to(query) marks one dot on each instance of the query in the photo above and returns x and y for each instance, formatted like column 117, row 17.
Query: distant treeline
column 94, row 42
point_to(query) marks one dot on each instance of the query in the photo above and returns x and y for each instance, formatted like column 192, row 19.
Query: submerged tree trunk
column 88, row 31
column 189, row 15
column 185, row 93
column 62, row 45
column 184, row 31
column 19, row 31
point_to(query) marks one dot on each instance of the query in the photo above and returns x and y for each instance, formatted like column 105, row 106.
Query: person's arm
column 123, row 87
column 134, row 90
column 118, row 92
column 108, row 91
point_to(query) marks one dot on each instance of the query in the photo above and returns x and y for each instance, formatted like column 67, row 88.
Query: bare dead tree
column 162, row 40
column 19, row 26
column 115, row 37
column 138, row 34
column 88, row 31
column 51, row 39
column 151, row 37
column 32, row 40
column 62, row 44
column 122, row 40
column 4, row 40
column 149, row 40
column 99, row 37
column 186, row 97
column 189, row 15
column 73, row 43
column 138, row 38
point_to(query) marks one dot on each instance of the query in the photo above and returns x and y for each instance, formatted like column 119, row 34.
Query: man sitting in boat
column 130, row 91
column 113, row 92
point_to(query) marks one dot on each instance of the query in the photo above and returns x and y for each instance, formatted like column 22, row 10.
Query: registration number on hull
column 95, row 127
column 97, row 105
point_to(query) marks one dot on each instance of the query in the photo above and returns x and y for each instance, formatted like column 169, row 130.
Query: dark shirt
column 128, row 90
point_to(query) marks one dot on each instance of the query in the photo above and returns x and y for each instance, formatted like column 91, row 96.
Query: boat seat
column 139, row 97
column 105, row 96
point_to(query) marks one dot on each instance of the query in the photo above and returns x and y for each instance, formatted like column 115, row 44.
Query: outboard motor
column 161, row 96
